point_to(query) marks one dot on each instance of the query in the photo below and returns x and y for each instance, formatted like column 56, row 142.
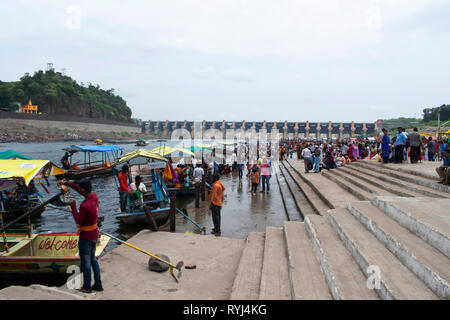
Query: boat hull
column 10, row 215
column 86, row 173
column 54, row 254
column 139, row 218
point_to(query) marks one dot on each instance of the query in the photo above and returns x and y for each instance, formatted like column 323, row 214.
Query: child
column 254, row 179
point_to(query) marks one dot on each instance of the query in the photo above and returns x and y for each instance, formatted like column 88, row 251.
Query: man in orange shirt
column 217, row 196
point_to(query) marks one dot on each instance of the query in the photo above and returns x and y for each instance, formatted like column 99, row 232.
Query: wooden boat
column 93, row 169
column 9, row 215
column 141, row 143
column 145, row 163
column 139, row 217
column 42, row 253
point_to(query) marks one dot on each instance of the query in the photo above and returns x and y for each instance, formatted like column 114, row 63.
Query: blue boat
column 96, row 168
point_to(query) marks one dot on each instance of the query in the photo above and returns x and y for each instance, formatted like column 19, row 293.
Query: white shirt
column 142, row 188
column 198, row 173
column 306, row 153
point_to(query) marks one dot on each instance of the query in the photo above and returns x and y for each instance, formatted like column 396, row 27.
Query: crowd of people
column 386, row 149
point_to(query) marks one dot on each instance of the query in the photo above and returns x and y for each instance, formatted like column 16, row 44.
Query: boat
column 42, row 253
column 98, row 141
column 12, row 155
column 17, row 178
column 96, row 168
column 141, row 143
column 146, row 164
column 32, row 253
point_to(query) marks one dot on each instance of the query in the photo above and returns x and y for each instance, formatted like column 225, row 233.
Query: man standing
column 400, row 142
column 217, row 195
column 198, row 173
column 124, row 191
column 415, row 143
column 431, row 147
column 86, row 220
column 306, row 155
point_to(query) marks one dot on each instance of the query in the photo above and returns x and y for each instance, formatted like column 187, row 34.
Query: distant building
column 29, row 108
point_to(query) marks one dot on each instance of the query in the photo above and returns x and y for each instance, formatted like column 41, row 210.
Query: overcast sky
column 295, row 60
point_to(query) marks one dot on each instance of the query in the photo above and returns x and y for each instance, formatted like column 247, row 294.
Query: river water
column 242, row 212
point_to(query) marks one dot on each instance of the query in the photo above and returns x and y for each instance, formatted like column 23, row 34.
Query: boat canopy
column 163, row 150
column 141, row 156
column 199, row 148
column 25, row 170
column 182, row 153
column 94, row 148
column 11, row 154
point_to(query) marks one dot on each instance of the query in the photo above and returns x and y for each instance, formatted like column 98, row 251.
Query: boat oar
column 203, row 229
column 171, row 266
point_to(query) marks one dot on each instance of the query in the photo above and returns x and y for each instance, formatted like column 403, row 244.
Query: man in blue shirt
column 400, row 142
column 443, row 171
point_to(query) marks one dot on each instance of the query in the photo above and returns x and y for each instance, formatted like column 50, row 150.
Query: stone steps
column 288, row 196
column 316, row 203
column 275, row 284
column 307, row 280
column 405, row 176
column 427, row 263
column 361, row 194
column 427, row 218
column 248, row 276
column 303, row 205
column 377, row 188
column 395, row 281
column 344, row 277
column 386, row 178
column 309, row 186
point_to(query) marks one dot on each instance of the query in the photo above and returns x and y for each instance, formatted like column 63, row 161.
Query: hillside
column 57, row 94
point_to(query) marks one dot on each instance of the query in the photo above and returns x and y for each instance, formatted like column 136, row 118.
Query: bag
column 310, row 166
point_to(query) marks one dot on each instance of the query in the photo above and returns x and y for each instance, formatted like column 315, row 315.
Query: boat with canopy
column 18, row 192
column 148, row 165
column 93, row 165
column 31, row 253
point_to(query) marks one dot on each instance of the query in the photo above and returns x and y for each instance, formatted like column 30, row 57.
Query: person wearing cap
column 86, row 219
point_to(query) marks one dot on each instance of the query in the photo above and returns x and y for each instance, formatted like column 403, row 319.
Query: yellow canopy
column 163, row 150
column 141, row 155
column 27, row 170
column 176, row 151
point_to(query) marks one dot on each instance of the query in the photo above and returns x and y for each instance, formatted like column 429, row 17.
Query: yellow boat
column 42, row 253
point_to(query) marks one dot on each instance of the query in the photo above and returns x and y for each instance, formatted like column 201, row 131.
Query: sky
column 253, row 60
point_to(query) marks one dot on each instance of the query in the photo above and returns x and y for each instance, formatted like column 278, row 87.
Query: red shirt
column 123, row 181
column 88, row 214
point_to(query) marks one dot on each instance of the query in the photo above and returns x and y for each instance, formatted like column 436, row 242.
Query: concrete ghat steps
column 377, row 188
column 401, row 168
column 312, row 197
column 290, row 203
column 307, row 280
column 412, row 178
column 425, row 217
column 360, row 193
column 395, row 281
column 427, row 263
column 389, row 183
column 248, row 275
column 275, row 283
column 301, row 203
column 344, row 277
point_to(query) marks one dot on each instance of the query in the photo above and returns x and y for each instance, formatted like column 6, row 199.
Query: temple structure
column 29, row 108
